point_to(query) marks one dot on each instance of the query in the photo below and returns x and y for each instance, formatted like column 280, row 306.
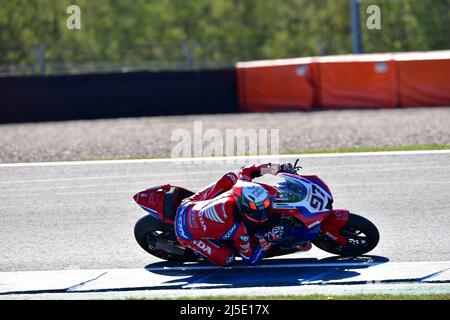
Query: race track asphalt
column 82, row 215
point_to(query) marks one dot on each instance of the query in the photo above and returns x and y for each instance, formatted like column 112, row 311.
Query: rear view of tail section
column 162, row 201
column 152, row 200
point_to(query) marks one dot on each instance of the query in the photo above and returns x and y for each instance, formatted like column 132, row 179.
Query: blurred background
column 122, row 35
column 135, row 70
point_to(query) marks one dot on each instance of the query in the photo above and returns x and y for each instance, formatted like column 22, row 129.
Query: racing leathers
column 204, row 220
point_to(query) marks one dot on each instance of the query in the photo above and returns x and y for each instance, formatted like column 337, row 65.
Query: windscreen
column 291, row 190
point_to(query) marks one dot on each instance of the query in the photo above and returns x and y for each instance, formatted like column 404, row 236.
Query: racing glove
column 258, row 254
column 286, row 167
column 276, row 233
column 263, row 243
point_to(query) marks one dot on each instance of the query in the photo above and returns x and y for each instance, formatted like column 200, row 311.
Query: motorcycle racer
column 221, row 212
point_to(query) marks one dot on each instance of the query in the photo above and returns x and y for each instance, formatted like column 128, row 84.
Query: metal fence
column 135, row 58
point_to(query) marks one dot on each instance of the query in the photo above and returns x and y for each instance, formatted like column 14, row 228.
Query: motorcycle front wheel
column 361, row 234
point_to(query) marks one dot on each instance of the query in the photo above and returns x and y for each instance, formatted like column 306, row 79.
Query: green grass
column 376, row 149
column 325, row 297
column 288, row 152
column 338, row 150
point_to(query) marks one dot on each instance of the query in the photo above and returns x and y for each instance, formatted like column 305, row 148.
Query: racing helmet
column 253, row 201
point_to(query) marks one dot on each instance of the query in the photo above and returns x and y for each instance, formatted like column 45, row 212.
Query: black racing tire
column 148, row 225
column 362, row 234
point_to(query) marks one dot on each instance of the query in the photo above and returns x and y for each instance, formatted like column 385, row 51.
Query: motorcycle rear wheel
column 362, row 236
column 149, row 228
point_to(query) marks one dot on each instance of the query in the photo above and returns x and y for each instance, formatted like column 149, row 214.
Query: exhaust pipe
column 157, row 244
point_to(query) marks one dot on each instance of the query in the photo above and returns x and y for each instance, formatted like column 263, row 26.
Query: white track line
column 231, row 158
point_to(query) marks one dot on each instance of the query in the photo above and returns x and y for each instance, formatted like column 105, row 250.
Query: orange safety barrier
column 424, row 78
column 276, row 84
column 357, row 81
column 348, row 81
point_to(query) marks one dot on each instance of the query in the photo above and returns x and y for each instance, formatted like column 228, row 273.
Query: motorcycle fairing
column 312, row 204
column 301, row 234
column 314, row 208
column 318, row 181
column 305, row 207
column 151, row 211
column 158, row 203
column 152, row 200
column 334, row 222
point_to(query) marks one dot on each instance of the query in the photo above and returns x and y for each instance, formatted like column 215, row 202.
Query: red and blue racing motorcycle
column 303, row 204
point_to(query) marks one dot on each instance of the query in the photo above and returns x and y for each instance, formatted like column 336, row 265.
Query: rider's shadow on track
column 273, row 272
